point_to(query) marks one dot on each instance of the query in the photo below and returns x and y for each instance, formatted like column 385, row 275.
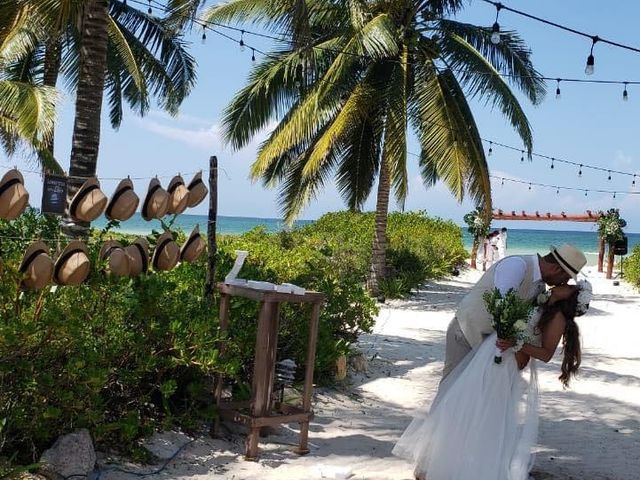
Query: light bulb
column 242, row 41
column 495, row 35
column 204, row 37
column 558, row 89
column 625, row 95
column 522, row 156
column 253, row 55
column 552, row 166
column 590, row 68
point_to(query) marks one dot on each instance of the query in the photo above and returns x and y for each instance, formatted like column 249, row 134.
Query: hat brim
column 125, row 185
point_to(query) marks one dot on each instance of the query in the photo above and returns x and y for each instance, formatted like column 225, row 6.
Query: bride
column 483, row 422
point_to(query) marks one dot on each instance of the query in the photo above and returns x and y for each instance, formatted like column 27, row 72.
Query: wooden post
column 610, row 261
column 307, row 393
column 212, row 250
column 474, row 253
column 600, row 254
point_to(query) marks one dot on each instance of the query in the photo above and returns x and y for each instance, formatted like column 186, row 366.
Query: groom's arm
column 509, row 273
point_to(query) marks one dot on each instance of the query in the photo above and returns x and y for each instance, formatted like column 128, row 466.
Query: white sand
column 589, row 432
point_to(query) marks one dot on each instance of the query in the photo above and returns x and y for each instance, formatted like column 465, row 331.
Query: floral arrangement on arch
column 610, row 225
column 477, row 223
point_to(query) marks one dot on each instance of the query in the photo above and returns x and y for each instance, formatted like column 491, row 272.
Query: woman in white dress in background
column 483, row 422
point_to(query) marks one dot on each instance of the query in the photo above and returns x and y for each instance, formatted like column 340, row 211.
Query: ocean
column 520, row 241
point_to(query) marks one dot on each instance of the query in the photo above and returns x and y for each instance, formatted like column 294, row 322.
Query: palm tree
column 105, row 46
column 27, row 112
column 346, row 83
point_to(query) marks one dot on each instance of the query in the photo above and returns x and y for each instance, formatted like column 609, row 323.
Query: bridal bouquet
column 510, row 316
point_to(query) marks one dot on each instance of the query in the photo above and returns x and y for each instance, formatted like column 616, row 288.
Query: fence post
column 212, row 245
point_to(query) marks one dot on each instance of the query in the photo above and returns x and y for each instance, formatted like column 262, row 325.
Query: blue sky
column 590, row 124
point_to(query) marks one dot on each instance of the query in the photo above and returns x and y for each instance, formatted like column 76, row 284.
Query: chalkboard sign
column 54, row 194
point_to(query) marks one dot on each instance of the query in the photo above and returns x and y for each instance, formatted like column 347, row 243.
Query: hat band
column 110, row 250
column 30, row 258
column 173, row 187
column 115, row 199
column 61, row 261
column 9, row 184
column 188, row 244
column 159, row 250
column 143, row 256
column 146, row 200
column 79, row 197
column 564, row 262
column 195, row 183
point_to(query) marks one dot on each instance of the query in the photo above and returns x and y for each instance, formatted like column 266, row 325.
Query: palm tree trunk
column 86, row 128
column 50, row 77
column 600, row 254
column 474, row 253
column 378, row 268
column 610, row 261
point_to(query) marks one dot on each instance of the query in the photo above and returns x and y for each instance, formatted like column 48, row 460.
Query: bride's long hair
column 570, row 338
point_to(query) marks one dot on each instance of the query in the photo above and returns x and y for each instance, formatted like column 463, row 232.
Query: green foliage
column 610, row 225
column 125, row 356
column 419, row 247
column 477, row 223
column 632, row 267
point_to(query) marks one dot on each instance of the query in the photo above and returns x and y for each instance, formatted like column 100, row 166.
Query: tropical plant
column 611, row 229
column 478, row 224
column 102, row 46
column 27, row 112
column 349, row 78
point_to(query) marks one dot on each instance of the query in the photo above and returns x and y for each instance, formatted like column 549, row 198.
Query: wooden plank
column 270, row 296
column 537, row 216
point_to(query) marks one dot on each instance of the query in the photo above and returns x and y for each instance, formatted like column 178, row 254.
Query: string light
column 558, row 96
column 490, row 149
column 580, row 171
column 253, row 54
column 625, row 95
column 614, row 194
column 552, row 166
column 241, row 41
column 609, row 177
column 204, row 34
column 502, row 183
column 585, row 192
column 557, row 190
column 495, row 29
column 633, row 183
column 590, row 67
column 149, row 11
column 522, row 156
column 529, row 186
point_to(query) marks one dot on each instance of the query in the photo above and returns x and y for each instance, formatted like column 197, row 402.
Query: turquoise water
column 520, row 241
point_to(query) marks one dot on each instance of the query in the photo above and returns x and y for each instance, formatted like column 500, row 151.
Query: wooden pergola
column 587, row 217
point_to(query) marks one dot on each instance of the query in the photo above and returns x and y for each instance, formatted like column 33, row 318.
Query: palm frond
column 511, row 56
column 481, row 79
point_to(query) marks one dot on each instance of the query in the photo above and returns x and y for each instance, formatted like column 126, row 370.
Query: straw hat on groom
column 526, row 274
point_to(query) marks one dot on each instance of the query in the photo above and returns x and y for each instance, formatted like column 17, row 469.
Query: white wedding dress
column 483, row 422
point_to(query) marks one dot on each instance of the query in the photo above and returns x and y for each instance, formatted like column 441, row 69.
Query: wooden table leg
column 303, row 448
column 223, row 325
column 264, row 367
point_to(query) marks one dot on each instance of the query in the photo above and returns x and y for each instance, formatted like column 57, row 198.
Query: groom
column 527, row 274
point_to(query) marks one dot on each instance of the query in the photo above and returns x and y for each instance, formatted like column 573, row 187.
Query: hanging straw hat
column 138, row 255
column 73, row 265
column 197, row 190
column 193, row 247
column 36, row 266
column 166, row 254
column 14, row 198
column 123, row 203
column 117, row 259
column 178, row 195
column 156, row 202
column 570, row 259
column 88, row 203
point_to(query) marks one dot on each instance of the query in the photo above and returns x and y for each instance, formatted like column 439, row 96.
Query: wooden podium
column 261, row 411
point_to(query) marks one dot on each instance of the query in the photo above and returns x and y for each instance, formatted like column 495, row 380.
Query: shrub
column 125, row 356
column 632, row 267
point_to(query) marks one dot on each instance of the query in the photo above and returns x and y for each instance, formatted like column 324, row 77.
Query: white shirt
column 509, row 273
column 502, row 244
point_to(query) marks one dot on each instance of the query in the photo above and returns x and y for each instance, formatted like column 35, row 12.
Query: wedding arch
column 587, row 217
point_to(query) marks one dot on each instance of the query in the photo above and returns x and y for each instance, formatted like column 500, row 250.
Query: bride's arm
column 550, row 338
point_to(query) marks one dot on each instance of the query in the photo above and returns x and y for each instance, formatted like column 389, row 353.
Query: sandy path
column 590, row 432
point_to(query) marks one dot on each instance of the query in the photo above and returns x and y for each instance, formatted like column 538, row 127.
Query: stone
column 71, row 456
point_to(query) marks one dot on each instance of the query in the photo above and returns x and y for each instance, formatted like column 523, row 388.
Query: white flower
column 520, row 325
column 543, row 298
column 584, row 297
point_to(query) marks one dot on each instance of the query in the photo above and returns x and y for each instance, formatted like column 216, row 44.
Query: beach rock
column 359, row 363
column 71, row 455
